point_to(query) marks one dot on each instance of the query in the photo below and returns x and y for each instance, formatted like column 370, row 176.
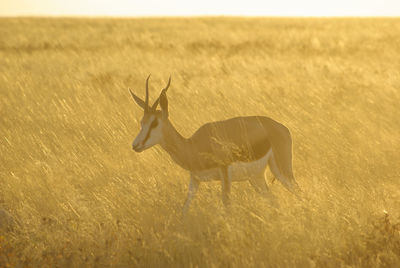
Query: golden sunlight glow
column 205, row 7
column 76, row 192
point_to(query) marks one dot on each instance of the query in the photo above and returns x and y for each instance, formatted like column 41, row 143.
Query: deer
column 235, row 149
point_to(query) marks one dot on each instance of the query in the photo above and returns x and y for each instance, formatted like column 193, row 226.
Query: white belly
column 237, row 171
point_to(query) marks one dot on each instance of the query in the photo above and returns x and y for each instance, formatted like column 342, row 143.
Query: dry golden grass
column 79, row 196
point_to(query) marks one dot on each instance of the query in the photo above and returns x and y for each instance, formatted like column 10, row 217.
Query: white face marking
column 149, row 135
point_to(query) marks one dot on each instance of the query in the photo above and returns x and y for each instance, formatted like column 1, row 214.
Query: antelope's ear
column 138, row 100
column 164, row 104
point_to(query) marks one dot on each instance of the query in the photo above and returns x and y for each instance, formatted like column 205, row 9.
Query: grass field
column 73, row 193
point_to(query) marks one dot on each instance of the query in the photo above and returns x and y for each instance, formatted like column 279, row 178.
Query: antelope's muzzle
column 137, row 148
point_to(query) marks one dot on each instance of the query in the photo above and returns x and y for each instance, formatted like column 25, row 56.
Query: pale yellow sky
column 199, row 7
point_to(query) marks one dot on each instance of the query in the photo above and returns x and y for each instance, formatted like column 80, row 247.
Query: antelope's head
column 152, row 121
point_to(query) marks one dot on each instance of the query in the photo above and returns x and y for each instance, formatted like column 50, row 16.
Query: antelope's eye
column 154, row 124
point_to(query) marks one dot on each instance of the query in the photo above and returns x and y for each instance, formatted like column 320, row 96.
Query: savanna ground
column 73, row 193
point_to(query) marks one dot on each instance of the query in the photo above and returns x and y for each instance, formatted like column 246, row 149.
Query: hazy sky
column 200, row 7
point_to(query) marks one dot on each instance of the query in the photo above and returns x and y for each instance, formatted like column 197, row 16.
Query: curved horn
column 147, row 93
column 154, row 106
column 169, row 83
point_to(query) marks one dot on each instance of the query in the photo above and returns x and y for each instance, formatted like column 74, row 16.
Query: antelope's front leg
column 193, row 187
column 226, row 182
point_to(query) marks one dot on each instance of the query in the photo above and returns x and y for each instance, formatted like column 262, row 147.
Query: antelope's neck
column 177, row 146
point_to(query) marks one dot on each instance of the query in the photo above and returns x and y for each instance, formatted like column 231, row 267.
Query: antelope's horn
column 154, row 107
column 147, row 93
column 169, row 83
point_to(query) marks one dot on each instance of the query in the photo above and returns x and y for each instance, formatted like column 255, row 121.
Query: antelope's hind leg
column 193, row 187
column 289, row 183
column 259, row 184
column 226, row 182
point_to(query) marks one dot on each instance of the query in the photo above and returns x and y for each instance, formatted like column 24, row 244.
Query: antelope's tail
column 281, row 142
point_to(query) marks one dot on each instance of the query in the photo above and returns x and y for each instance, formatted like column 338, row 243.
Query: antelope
column 236, row 149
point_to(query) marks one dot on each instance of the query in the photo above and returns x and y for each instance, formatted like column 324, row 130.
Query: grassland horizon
column 73, row 193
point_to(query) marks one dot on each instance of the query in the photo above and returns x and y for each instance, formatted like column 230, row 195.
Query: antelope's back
column 242, row 139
